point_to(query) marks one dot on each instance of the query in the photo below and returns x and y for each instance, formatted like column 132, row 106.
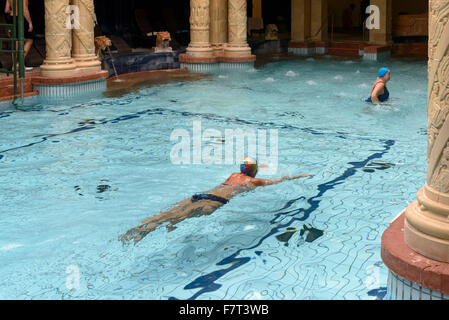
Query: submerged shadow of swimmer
column 205, row 203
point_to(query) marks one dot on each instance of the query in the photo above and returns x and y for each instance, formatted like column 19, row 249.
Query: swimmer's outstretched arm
column 265, row 182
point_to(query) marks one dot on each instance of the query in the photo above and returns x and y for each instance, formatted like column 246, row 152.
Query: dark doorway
column 278, row 13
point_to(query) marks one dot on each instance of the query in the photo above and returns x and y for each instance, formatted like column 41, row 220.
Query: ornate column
column 318, row 22
column 300, row 28
column 199, row 45
column 83, row 46
column 58, row 61
column 237, row 30
column 383, row 34
column 426, row 227
column 218, row 25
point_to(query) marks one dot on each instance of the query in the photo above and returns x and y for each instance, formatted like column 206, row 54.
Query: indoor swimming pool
column 76, row 175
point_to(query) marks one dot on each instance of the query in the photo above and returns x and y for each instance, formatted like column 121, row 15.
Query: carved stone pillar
column 58, row 61
column 199, row 45
column 83, row 46
column 237, row 30
column 301, row 20
column 426, row 227
column 218, row 25
column 318, row 22
column 383, row 34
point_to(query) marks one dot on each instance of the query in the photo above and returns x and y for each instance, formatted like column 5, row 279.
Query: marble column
column 58, row 61
column 301, row 13
column 199, row 45
column 426, row 227
column 237, row 30
column 382, row 36
column 318, row 23
column 83, row 46
column 218, row 25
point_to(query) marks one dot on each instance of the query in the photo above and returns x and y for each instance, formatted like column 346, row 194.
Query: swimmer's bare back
column 235, row 184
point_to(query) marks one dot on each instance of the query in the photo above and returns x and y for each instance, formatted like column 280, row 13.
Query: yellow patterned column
column 383, row 34
column 218, row 25
column 237, row 30
column 199, row 45
column 318, row 22
column 83, row 46
column 426, row 228
column 58, row 61
column 301, row 20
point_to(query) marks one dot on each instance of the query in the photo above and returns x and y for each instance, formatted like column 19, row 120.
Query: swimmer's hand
column 263, row 165
column 295, row 177
column 302, row 176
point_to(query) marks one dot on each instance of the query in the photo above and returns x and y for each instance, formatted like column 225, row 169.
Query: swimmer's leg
column 183, row 210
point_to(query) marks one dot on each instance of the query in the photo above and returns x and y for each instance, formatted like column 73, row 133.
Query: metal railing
column 16, row 48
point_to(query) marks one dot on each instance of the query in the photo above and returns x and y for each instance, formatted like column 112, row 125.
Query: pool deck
column 409, row 264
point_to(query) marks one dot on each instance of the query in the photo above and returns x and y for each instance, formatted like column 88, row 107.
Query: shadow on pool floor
column 129, row 83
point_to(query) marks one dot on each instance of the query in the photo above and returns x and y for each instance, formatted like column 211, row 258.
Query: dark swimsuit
column 383, row 97
column 26, row 26
column 208, row 196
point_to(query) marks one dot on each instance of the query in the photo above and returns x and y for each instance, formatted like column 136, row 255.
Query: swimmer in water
column 379, row 91
column 207, row 202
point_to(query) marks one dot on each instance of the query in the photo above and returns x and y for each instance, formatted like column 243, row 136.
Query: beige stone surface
column 199, row 29
column 301, row 22
column 319, row 20
column 237, row 45
column 83, row 44
column 58, row 61
column 218, row 25
column 382, row 35
column 427, row 219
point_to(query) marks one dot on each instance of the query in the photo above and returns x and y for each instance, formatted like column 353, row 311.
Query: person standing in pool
column 379, row 91
column 207, row 202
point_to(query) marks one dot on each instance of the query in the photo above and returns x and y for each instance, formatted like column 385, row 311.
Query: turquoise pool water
column 77, row 175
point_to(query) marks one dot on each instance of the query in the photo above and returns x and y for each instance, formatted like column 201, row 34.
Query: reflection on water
column 133, row 82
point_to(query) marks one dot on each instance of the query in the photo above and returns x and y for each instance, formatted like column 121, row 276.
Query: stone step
column 25, row 95
column 346, row 45
column 7, row 87
column 343, row 51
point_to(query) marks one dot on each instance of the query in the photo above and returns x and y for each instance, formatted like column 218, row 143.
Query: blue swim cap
column 382, row 72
